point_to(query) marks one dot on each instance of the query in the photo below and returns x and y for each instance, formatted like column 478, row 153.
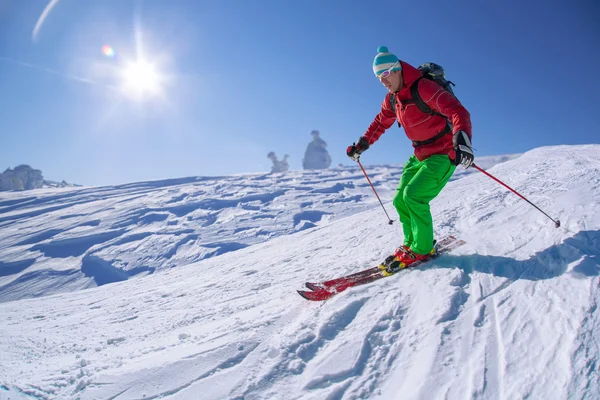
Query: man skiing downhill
column 441, row 139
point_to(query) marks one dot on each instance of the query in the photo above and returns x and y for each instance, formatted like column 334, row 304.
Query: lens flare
column 108, row 51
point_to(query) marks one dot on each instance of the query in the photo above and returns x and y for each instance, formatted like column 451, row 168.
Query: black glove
column 463, row 149
column 356, row 150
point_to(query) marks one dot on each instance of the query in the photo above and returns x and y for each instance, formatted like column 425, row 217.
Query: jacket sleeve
column 384, row 120
column 446, row 104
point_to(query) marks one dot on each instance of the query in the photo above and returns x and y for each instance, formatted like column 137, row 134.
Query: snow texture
column 512, row 314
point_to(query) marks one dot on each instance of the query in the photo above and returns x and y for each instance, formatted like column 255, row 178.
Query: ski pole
column 375, row 191
column 556, row 222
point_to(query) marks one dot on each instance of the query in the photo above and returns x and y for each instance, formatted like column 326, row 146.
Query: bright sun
column 141, row 79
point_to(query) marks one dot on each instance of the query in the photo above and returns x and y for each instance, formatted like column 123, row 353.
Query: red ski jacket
column 420, row 126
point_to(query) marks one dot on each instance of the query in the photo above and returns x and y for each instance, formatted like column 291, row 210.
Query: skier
column 441, row 139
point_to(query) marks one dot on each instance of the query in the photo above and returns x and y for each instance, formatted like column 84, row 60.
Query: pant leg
column 429, row 180
column 408, row 172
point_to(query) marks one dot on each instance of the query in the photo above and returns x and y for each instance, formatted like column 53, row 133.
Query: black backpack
column 434, row 73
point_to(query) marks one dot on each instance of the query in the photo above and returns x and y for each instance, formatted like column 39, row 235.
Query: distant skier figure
column 278, row 166
column 440, row 130
column 316, row 155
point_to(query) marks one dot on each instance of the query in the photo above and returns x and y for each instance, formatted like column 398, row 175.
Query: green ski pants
column 421, row 182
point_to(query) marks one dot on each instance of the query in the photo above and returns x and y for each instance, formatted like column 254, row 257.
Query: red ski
column 327, row 289
column 440, row 246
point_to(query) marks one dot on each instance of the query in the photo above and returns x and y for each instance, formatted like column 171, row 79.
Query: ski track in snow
column 511, row 314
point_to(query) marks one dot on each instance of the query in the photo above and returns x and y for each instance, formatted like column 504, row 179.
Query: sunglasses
column 387, row 72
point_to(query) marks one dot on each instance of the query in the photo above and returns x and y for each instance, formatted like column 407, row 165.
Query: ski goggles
column 388, row 71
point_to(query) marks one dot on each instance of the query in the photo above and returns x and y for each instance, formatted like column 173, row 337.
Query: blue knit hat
column 384, row 60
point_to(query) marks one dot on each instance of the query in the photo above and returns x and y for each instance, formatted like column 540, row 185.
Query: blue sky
column 241, row 78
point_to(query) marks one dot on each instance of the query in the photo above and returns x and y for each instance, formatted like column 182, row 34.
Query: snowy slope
column 62, row 240
column 512, row 314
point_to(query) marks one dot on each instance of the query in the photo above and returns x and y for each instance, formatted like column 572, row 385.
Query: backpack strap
column 418, row 100
column 393, row 102
column 444, row 132
column 423, row 107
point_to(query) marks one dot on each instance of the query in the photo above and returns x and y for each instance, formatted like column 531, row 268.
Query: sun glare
column 141, row 79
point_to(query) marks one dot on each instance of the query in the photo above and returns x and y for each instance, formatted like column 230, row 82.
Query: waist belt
column 444, row 132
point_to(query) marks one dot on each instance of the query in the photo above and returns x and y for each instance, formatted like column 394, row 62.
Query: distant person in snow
column 278, row 166
column 440, row 130
column 316, row 155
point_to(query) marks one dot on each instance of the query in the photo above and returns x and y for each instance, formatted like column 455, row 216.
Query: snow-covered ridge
column 511, row 314
column 70, row 239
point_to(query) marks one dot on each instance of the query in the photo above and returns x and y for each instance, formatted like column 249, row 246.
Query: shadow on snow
column 547, row 264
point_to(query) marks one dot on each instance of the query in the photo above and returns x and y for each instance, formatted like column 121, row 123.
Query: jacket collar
column 409, row 75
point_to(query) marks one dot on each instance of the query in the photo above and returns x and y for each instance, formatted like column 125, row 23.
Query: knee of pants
column 409, row 195
column 398, row 201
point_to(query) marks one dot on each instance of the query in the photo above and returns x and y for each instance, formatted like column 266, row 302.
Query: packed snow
column 190, row 288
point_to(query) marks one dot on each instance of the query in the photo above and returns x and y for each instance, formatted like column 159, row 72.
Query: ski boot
column 392, row 263
column 403, row 257
column 407, row 258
